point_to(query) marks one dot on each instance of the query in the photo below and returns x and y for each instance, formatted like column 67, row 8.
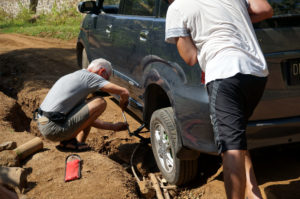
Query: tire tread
column 188, row 168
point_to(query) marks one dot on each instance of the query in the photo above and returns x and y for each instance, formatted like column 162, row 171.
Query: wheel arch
column 161, row 80
column 155, row 98
column 79, row 49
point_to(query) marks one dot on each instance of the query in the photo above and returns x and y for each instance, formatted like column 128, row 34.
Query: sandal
column 72, row 145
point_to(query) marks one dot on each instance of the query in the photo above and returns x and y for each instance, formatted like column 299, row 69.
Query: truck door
column 131, row 41
column 100, row 37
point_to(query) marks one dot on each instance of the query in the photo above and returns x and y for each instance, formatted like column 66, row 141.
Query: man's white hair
column 97, row 64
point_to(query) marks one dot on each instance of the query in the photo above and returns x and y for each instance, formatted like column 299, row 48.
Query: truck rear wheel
column 164, row 144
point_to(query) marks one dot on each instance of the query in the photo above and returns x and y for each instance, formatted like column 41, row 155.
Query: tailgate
column 280, row 41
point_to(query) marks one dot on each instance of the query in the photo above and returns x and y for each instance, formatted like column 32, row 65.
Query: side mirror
column 87, row 7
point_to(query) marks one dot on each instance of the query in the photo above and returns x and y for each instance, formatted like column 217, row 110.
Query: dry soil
column 28, row 68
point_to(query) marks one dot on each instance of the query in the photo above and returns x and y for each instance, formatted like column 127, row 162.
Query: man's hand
column 119, row 126
column 123, row 103
column 124, row 96
column 122, row 92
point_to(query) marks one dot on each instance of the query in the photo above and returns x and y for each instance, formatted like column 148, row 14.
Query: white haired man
column 67, row 116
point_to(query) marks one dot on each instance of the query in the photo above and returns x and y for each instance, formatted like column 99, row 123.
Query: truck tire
column 84, row 61
column 164, row 144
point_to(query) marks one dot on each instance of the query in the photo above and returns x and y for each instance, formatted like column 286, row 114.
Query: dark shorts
column 59, row 131
column 232, row 102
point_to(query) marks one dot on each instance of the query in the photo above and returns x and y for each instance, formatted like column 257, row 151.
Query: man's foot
column 72, row 145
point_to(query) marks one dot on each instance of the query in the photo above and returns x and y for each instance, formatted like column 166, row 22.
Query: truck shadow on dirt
column 277, row 170
column 35, row 68
column 44, row 66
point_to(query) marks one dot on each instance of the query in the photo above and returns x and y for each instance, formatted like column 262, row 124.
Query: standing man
column 218, row 34
column 67, row 116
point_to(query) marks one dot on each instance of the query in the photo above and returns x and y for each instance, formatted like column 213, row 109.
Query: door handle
column 108, row 29
column 144, row 35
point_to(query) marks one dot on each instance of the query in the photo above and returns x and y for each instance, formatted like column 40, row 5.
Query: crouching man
column 67, row 116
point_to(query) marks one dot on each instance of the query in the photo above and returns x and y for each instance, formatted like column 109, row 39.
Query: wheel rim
column 163, row 148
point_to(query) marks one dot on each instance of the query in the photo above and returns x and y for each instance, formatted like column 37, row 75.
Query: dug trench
column 28, row 68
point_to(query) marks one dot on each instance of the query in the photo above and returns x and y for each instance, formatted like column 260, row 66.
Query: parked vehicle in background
column 167, row 95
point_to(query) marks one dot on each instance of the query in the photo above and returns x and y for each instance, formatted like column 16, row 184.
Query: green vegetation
column 282, row 7
column 62, row 24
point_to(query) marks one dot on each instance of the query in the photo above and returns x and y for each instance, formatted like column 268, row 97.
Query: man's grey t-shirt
column 71, row 90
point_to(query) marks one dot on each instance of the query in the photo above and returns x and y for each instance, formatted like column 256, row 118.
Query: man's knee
column 234, row 153
column 97, row 104
column 100, row 101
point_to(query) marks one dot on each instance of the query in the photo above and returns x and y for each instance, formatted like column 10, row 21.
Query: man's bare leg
column 93, row 121
column 234, row 173
column 118, row 126
column 96, row 107
column 82, row 135
column 252, row 190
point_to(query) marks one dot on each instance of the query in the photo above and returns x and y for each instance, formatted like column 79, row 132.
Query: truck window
column 285, row 7
column 163, row 7
column 280, row 7
column 111, row 2
column 139, row 7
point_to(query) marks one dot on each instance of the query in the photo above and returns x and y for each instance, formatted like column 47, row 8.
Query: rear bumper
column 260, row 134
column 273, row 132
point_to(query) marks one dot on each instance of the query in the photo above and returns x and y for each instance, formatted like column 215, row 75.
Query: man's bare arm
column 187, row 50
column 122, row 92
column 119, row 126
column 259, row 10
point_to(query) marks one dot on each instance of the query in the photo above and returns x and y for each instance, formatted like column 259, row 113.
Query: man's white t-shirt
column 223, row 34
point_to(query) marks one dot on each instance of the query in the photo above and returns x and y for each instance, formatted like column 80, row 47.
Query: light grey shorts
column 59, row 131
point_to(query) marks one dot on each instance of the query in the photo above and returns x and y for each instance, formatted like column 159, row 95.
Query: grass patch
column 62, row 24
column 65, row 32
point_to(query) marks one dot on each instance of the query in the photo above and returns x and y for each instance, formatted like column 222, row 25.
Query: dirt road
column 28, row 68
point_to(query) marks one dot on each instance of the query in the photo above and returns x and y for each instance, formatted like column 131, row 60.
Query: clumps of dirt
column 143, row 158
column 11, row 114
column 120, row 150
column 30, row 98
column 17, row 106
